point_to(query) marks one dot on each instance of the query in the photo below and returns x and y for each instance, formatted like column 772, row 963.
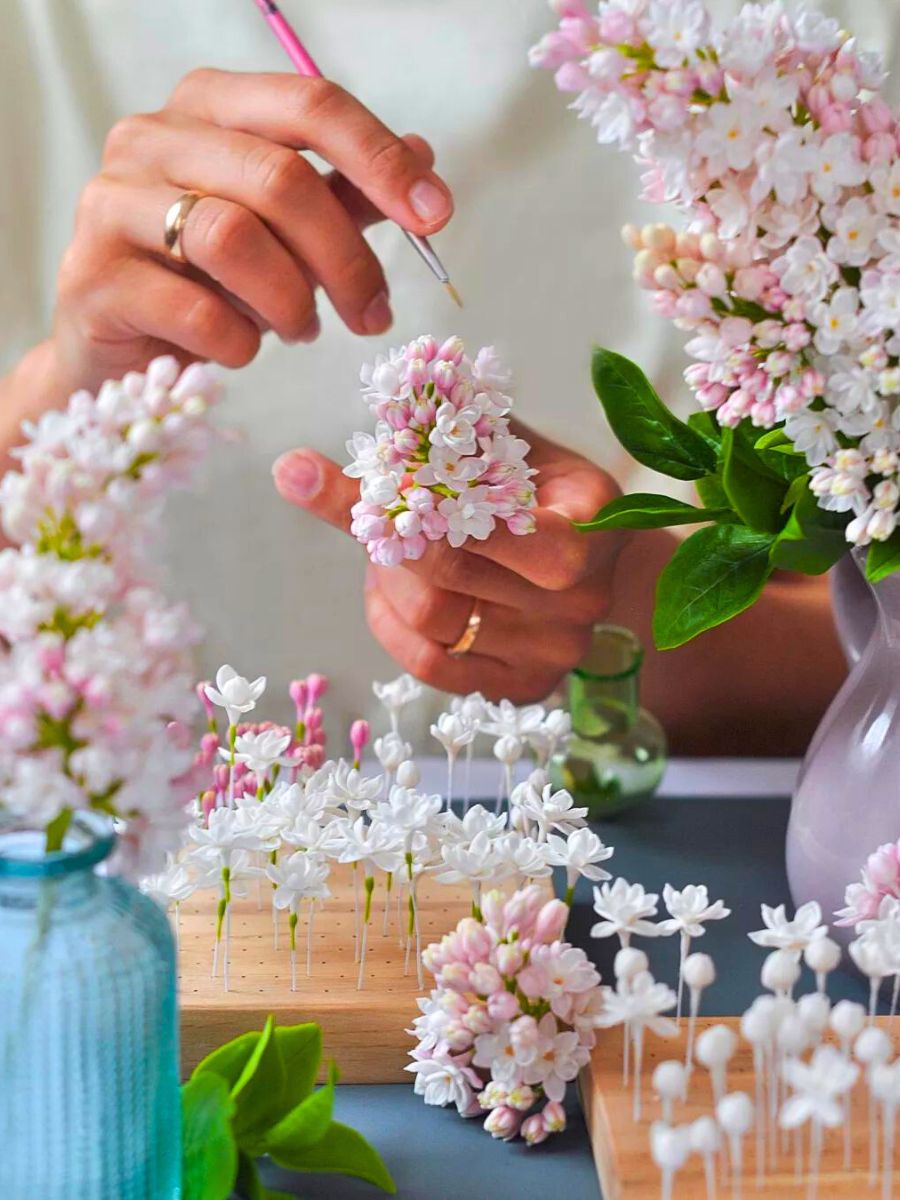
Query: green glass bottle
column 617, row 753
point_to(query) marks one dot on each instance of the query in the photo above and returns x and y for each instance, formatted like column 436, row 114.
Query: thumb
column 315, row 483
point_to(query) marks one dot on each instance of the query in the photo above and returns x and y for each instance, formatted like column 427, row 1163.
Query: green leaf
column 228, row 1061
column 707, row 426
column 883, row 558
column 209, row 1153
column 643, row 510
column 306, row 1124
column 714, row 574
column 753, row 494
column 259, row 1092
column 301, row 1053
column 642, row 423
column 711, row 492
column 813, row 539
column 341, row 1151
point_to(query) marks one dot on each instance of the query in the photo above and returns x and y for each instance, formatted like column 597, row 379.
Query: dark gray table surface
column 736, row 847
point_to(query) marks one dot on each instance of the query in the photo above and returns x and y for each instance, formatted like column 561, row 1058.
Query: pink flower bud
column 220, row 778
column 486, row 979
column 879, row 148
column 503, row 1122
column 533, row 1130
column 360, row 733
column 665, row 304
column 617, row 27
column 533, row 981
column 316, row 687
column 551, row 921
column 297, row 691
column 207, row 804
column 208, row 707
column 478, row 1020
column 509, row 959
column 455, row 976
column 876, row 116
column 452, row 350
column 475, row 941
column 836, row 118
column 502, row 1006
column 386, row 551
column 554, row 1116
column 711, row 280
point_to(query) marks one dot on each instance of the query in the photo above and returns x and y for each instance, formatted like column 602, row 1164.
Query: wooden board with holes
column 364, row 1031
column 622, row 1147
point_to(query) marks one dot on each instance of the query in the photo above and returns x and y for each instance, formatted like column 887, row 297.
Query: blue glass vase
column 89, row 1097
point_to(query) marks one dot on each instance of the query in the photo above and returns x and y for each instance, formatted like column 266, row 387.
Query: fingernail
column 377, row 316
column 298, row 476
column 429, row 201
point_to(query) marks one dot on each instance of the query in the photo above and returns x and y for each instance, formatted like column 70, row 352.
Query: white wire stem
column 356, row 912
column 309, row 937
column 467, row 785
column 225, row 965
column 684, row 949
column 451, row 762
column 889, row 1116
column 737, row 1166
column 387, row 902
column 638, row 1036
column 815, row 1155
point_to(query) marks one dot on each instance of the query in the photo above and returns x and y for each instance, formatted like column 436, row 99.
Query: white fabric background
column 534, row 248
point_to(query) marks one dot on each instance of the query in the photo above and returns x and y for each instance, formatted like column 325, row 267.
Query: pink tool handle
column 293, row 47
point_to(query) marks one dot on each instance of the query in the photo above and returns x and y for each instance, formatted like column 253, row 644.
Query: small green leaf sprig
column 758, row 511
column 256, row 1096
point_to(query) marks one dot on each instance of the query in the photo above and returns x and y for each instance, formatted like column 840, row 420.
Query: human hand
column 539, row 595
column 268, row 231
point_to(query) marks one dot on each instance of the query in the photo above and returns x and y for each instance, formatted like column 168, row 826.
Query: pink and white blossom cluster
column 879, row 880
column 511, row 1020
column 443, row 462
column 95, row 672
column 773, row 136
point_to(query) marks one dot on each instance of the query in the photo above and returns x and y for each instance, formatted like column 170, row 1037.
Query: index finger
column 318, row 115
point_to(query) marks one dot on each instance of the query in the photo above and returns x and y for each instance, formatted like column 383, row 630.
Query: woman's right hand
column 269, row 230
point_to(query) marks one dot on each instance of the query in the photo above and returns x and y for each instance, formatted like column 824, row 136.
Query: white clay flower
column 624, row 908
column 689, row 910
column 234, row 693
column 795, row 935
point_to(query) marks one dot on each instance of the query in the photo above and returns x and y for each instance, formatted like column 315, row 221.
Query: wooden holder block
column 364, row 1031
column 622, row 1147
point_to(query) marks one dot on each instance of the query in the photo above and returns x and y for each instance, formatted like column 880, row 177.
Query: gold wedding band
column 176, row 218
column 469, row 634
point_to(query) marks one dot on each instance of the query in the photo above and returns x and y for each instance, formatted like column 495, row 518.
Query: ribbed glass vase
column 89, row 1096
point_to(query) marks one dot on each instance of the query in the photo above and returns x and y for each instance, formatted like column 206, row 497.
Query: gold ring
column 469, row 634
column 176, row 218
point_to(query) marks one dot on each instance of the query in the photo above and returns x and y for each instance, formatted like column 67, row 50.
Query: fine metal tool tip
column 453, row 293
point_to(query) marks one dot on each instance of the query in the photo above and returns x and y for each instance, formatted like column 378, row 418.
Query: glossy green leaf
column 714, row 574
column 209, row 1152
column 305, row 1125
column 711, row 493
column 301, row 1053
column 229, row 1061
column 883, row 558
column 643, row 424
column 643, row 510
column 813, row 539
column 752, row 492
column 707, row 426
column 343, row 1151
column 259, row 1092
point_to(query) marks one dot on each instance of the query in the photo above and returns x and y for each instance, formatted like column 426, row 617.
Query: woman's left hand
column 539, row 595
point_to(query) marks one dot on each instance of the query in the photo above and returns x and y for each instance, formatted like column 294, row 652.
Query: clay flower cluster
column 879, row 881
column 773, row 136
column 443, row 463
column 511, row 1019
column 95, row 682
column 272, row 814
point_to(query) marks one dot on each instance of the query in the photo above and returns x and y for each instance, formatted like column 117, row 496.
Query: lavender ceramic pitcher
column 847, row 800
